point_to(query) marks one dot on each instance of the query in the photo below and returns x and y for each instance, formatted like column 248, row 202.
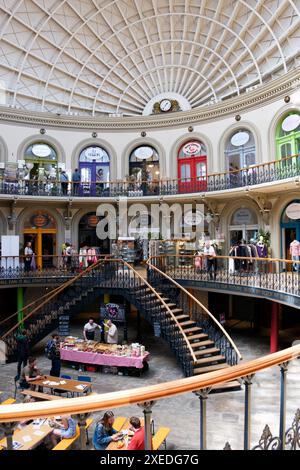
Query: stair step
column 204, row 370
column 209, row 360
column 192, row 330
column 204, row 351
column 197, row 336
column 201, row 344
column 177, row 310
column 182, row 317
column 226, row 386
column 188, row 323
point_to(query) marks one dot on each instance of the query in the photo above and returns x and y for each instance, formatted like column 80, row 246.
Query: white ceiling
column 95, row 57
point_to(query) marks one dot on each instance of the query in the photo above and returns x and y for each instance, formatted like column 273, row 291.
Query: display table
column 103, row 359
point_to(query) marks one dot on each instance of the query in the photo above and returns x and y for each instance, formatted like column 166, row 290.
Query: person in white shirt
column 28, row 256
column 112, row 333
column 89, row 329
column 210, row 256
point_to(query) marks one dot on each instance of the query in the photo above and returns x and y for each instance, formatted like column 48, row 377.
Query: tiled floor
column 181, row 413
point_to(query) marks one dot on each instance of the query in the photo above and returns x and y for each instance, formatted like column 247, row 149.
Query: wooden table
column 36, row 433
column 68, row 386
column 114, row 445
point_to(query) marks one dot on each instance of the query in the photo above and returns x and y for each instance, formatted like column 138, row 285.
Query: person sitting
column 30, row 374
column 104, row 432
column 138, row 440
column 64, row 430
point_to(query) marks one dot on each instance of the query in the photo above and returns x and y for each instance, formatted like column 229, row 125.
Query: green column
column 20, row 303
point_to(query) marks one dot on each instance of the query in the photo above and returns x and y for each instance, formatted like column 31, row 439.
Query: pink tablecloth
column 103, row 359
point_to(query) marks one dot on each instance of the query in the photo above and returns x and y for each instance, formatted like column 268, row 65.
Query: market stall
column 101, row 354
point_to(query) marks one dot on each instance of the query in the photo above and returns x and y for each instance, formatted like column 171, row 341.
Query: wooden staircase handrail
column 111, row 400
column 220, row 327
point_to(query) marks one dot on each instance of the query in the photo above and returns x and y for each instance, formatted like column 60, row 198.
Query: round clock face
column 165, row 105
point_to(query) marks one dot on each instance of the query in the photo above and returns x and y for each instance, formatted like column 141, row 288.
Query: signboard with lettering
column 293, row 211
column 64, row 325
column 113, row 312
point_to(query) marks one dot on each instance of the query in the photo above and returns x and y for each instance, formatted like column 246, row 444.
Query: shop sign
column 242, row 217
column 291, row 122
column 39, row 220
column 293, row 211
column 193, row 218
column 192, row 148
column 240, row 138
column 143, row 153
column 93, row 220
column 41, row 150
column 113, row 312
column 95, row 153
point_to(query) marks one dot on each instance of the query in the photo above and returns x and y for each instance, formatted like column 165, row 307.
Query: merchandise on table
column 76, row 344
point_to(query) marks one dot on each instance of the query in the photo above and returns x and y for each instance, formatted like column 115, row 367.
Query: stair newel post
column 8, row 429
column 81, row 419
column 147, row 410
column 247, row 416
column 282, row 422
column 203, row 394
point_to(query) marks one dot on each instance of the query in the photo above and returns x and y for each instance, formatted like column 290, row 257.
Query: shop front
column 94, row 165
column 41, row 166
column 87, row 236
column 144, row 171
column 243, row 226
column 192, row 167
column 41, row 230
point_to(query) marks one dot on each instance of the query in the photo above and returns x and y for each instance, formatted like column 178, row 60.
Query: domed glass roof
column 98, row 57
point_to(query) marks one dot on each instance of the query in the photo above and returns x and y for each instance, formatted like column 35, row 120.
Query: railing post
column 81, row 418
column 203, row 394
column 247, row 419
column 282, row 423
column 8, row 429
column 147, row 410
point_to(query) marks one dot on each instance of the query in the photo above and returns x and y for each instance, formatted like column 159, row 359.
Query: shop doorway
column 192, row 167
column 40, row 229
column 290, row 228
column 94, row 171
column 87, row 236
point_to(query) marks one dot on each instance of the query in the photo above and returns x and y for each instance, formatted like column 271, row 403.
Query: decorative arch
column 96, row 142
column 245, row 125
column 276, row 228
column 38, row 138
column 178, row 144
column 144, row 141
column 278, row 117
column 76, row 225
column 3, row 151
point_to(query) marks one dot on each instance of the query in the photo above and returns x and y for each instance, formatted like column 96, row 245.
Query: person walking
column 76, row 179
column 53, row 353
column 22, row 350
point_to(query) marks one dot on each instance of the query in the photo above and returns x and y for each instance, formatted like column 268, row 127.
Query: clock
column 165, row 105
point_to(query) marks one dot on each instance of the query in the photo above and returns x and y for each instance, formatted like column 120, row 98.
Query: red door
column 192, row 168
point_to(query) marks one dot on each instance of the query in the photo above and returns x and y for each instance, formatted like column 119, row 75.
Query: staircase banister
column 52, row 295
column 111, row 400
column 220, row 327
column 168, row 309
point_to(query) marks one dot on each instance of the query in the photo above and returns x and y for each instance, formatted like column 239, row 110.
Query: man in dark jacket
column 22, row 350
column 55, row 356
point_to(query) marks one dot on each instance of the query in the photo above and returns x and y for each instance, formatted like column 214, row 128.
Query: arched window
column 94, row 169
column 144, row 164
column 41, row 162
column 288, row 135
column 240, row 150
column 192, row 167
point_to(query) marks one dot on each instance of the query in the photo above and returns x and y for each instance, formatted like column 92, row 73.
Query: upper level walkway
column 253, row 175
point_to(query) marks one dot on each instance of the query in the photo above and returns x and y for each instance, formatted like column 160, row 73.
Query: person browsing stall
column 89, row 329
column 104, row 432
column 111, row 332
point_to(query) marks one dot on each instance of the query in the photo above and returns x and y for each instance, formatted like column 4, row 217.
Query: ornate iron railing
column 288, row 167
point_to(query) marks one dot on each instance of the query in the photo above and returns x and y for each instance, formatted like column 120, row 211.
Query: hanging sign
column 293, row 211
column 41, row 150
column 242, row 217
column 143, row 153
column 39, row 220
column 113, row 312
column 193, row 218
column 240, row 138
column 192, row 148
column 291, row 122
column 96, row 153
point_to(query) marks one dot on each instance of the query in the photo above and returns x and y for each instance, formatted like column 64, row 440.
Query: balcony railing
column 269, row 172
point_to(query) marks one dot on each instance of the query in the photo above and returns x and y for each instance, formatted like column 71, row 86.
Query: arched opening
column 41, row 163
column 144, row 167
column 192, row 167
column 290, row 228
column 87, row 236
column 288, row 136
column 243, row 226
column 240, row 151
column 94, row 166
column 40, row 228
